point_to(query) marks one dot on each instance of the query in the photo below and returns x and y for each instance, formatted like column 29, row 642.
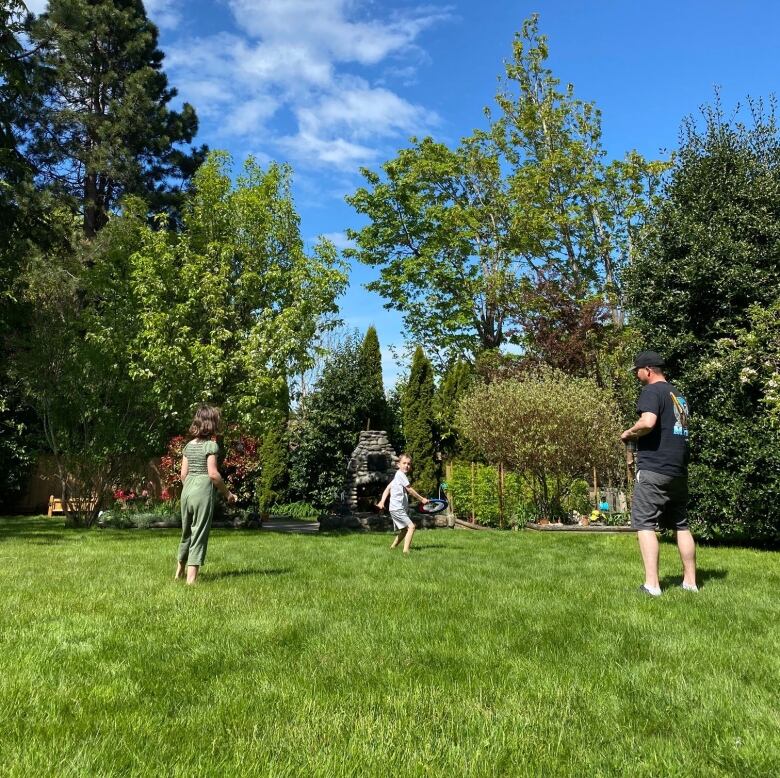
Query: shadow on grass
column 702, row 577
column 222, row 574
column 38, row 529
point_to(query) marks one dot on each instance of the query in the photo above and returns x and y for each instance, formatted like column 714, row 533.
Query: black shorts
column 659, row 501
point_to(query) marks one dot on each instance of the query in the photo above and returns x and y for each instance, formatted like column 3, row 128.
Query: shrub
column 485, row 507
column 703, row 290
column 296, row 510
column 274, row 473
column 548, row 426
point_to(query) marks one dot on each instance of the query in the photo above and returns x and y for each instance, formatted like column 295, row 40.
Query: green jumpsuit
column 197, row 503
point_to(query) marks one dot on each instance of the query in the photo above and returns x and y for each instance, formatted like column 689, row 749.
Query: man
column 661, row 486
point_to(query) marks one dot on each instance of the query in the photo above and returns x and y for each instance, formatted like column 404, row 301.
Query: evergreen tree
column 274, row 461
column 376, row 411
column 328, row 427
column 26, row 226
column 454, row 383
column 708, row 260
column 105, row 128
column 419, row 424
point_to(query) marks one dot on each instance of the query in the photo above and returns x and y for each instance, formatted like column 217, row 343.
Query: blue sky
column 329, row 85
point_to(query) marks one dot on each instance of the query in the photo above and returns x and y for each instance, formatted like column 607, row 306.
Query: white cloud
column 164, row 13
column 363, row 112
column 339, row 152
column 339, row 240
column 324, row 27
column 292, row 56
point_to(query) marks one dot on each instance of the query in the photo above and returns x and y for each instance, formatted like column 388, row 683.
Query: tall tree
column 274, row 463
column 26, row 226
column 453, row 385
column 459, row 233
column 419, row 427
column 439, row 232
column 376, row 412
column 708, row 259
column 233, row 301
column 223, row 311
column 579, row 214
column 328, row 425
column 105, row 128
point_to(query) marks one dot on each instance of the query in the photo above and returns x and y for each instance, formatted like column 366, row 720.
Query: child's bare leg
column 179, row 571
column 192, row 573
column 399, row 536
column 408, row 542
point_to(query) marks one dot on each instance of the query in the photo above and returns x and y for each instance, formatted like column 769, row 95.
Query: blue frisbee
column 434, row 505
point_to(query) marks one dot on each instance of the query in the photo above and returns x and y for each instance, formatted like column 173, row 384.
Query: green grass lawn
column 480, row 654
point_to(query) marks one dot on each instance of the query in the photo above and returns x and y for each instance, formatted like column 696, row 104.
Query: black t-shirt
column 665, row 449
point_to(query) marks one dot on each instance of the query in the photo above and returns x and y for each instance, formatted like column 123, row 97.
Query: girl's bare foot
column 179, row 574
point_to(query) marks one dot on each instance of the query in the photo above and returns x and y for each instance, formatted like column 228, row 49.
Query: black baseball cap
column 647, row 359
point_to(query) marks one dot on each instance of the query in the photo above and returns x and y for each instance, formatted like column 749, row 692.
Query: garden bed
column 577, row 527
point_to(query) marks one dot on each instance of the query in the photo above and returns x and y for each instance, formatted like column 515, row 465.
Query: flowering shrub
column 170, row 468
column 133, row 499
column 239, row 465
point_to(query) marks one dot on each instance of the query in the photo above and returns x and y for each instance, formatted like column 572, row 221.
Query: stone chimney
column 371, row 467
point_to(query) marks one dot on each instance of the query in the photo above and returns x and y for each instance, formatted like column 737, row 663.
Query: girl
column 201, row 481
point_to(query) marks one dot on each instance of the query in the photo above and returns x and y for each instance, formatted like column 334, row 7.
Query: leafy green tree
column 22, row 227
column 438, row 231
column 71, row 361
column 130, row 329
column 735, row 473
column 579, row 215
column 105, row 128
column 465, row 237
column 708, row 259
column 548, row 426
column 371, row 369
column 419, row 426
column 231, row 305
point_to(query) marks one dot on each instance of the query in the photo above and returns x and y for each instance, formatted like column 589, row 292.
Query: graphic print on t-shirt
column 680, row 414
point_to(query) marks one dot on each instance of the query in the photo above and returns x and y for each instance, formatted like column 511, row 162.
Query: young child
column 201, row 481
column 399, row 491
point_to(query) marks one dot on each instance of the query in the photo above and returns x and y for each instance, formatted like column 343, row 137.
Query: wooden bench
column 76, row 503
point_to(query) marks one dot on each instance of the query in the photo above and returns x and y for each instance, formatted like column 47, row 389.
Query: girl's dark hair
column 206, row 422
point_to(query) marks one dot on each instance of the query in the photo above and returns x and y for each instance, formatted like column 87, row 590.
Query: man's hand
column 424, row 500
column 231, row 498
column 381, row 505
column 627, row 435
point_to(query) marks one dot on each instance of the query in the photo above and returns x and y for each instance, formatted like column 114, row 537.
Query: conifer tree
column 274, row 461
column 371, row 371
column 419, row 424
column 105, row 128
column 454, row 383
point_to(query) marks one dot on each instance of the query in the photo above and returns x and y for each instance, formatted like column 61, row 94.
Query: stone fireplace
column 371, row 467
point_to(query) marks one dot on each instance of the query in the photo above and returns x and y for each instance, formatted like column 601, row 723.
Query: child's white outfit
column 399, row 501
